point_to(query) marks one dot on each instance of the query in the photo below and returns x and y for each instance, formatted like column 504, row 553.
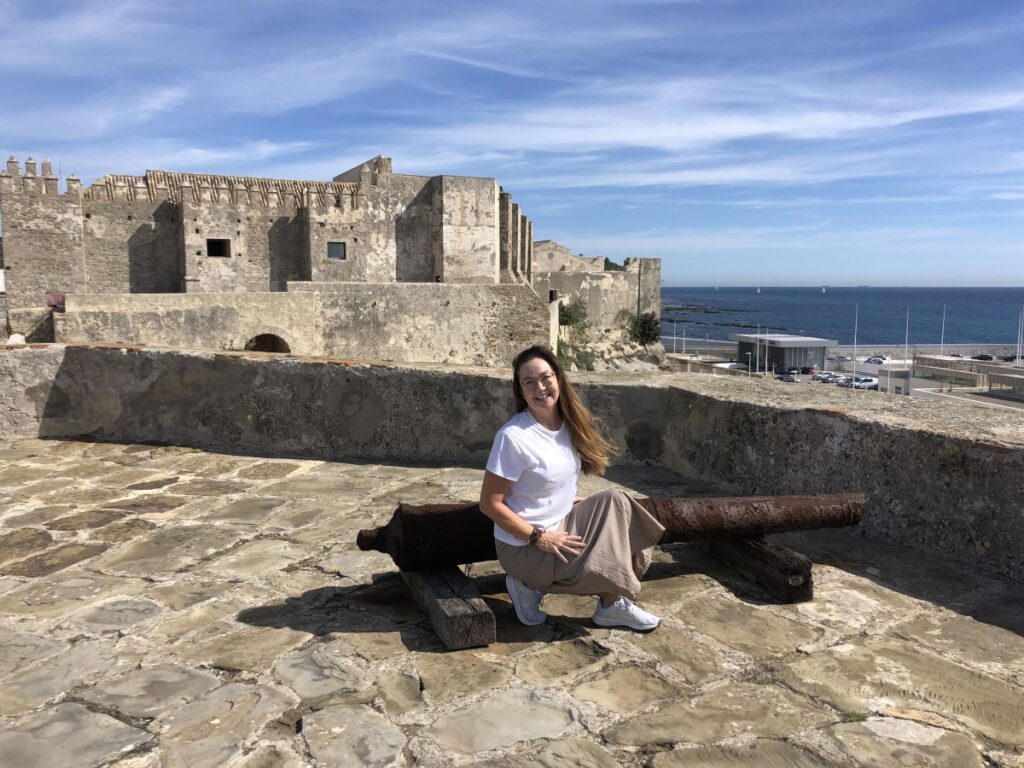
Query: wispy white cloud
column 84, row 37
column 90, row 118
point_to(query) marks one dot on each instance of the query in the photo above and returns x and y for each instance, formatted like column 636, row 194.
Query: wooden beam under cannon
column 427, row 543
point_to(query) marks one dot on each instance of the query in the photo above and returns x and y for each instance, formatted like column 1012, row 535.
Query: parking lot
column 885, row 374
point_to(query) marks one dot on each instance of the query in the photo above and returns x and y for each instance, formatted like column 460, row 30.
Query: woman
column 547, row 539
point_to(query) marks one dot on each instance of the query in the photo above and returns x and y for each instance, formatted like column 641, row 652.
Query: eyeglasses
column 546, row 379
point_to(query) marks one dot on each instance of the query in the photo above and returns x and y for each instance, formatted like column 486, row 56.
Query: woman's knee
column 615, row 497
column 611, row 494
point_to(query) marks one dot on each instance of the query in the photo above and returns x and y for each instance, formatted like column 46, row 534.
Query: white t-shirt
column 544, row 470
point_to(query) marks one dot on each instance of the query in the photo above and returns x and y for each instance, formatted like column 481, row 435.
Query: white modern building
column 780, row 351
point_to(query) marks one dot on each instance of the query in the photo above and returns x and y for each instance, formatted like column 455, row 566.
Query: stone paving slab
column 84, row 662
column 561, row 753
column 67, row 735
column 731, row 711
column 213, row 729
column 18, row 650
column 876, row 740
column 148, row 691
column 52, row 560
column 502, row 719
column 65, row 593
column 230, row 621
column 880, row 673
column 353, row 735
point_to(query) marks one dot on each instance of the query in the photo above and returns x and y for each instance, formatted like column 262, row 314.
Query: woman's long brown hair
column 586, row 435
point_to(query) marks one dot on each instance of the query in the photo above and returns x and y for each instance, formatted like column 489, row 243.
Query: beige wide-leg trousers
column 619, row 534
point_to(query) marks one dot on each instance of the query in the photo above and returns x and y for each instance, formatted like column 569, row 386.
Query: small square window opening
column 336, row 251
column 216, row 248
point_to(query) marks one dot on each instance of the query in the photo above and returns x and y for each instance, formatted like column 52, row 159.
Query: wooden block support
column 784, row 573
column 453, row 604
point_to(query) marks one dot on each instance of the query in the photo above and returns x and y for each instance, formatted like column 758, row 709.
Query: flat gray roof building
column 780, row 351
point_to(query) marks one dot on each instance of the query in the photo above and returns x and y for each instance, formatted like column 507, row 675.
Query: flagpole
column 856, row 312
column 757, row 351
column 942, row 335
column 1020, row 338
column 906, row 352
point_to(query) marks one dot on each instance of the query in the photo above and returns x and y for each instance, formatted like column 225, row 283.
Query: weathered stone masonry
column 608, row 296
column 192, row 233
column 456, row 324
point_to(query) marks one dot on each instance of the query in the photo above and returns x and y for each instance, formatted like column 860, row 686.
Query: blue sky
column 744, row 142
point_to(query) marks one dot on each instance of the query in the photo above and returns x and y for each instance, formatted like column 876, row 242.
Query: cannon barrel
column 428, row 536
column 741, row 517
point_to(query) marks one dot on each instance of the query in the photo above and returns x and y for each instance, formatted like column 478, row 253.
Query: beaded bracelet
column 535, row 535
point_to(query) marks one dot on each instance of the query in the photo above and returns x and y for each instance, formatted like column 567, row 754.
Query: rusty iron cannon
column 428, row 542
column 420, row 537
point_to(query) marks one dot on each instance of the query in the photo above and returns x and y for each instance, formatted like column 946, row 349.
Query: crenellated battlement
column 34, row 181
column 199, row 188
column 175, row 187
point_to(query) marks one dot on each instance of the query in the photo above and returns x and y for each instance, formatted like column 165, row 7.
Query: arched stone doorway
column 267, row 342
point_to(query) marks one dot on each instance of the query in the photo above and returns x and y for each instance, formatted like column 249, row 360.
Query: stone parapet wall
column 27, row 393
column 940, row 477
column 425, row 323
column 457, row 324
column 192, row 321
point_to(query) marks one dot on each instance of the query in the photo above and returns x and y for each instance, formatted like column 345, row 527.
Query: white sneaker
column 625, row 613
column 526, row 601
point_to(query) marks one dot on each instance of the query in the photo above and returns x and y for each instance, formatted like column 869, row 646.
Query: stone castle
column 370, row 265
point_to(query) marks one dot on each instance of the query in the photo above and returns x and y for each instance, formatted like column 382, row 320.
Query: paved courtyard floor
column 162, row 606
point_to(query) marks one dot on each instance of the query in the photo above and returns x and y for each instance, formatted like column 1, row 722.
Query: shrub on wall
column 581, row 357
column 645, row 328
column 573, row 313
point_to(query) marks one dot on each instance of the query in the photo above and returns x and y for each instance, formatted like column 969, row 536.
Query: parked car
column 793, row 371
column 788, row 377
column 982, row 356
column 865, row 382
column 843, row 381
column 808, row 370
column 841, row 359
column 1011, row 359
column 823, row 376
column 876, row 360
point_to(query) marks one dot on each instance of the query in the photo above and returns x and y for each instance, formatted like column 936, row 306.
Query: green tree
column 645, row 328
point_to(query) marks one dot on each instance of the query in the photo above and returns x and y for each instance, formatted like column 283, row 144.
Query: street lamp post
column 748, row 364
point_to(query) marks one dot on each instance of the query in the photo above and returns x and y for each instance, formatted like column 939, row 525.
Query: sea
column 878, row 316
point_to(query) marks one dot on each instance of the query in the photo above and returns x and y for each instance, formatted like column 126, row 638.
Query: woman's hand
column 560, row 544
